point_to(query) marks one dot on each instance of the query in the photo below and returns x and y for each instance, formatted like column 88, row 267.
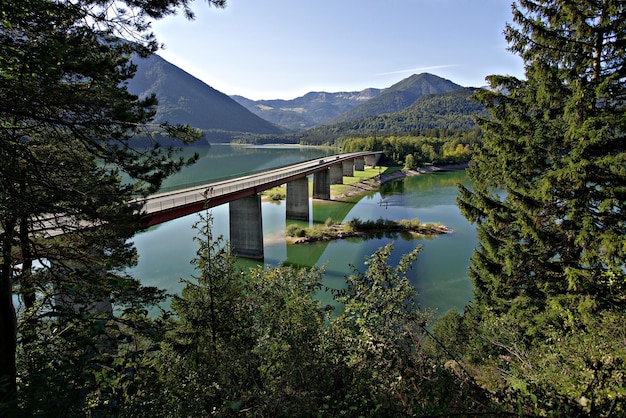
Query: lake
column 439, row 274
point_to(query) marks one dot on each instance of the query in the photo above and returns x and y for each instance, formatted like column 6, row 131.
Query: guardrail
column 193, row 195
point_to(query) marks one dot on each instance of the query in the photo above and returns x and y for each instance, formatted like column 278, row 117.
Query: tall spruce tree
column 66, row 124
column 550, row 180
column 548, row 201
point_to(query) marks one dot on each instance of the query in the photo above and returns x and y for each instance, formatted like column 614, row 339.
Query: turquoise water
column 439, row 274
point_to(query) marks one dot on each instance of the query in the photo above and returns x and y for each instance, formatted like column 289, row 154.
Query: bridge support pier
column 372, row 160
column 298, row 200
column 336, row 174
column 321, row 185
column 359, row 164
column 348, row 168
column 246, row 227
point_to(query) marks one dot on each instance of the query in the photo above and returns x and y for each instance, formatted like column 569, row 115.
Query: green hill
column 187, row 100
column 398, row 97
column 453, row 111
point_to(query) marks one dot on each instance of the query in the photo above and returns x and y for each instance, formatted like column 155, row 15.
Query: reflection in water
column 440, row 273
column 225, row 161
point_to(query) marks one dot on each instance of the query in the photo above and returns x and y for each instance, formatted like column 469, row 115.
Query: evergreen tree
column 246, row 343
column 548, row 201
column 69, row 175
column 376, row 334
column 205, row 366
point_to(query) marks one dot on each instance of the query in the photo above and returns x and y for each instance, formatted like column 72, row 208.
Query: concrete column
column 372, row 160
column 336, row 174
column 348, row 168
column 321, row 185
column 298, row 199
column 359, row 164
column 246, row 227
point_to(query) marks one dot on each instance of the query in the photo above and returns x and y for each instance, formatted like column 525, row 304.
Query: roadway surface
column 166, row 206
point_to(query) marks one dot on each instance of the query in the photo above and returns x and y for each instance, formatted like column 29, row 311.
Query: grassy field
column 279, row 193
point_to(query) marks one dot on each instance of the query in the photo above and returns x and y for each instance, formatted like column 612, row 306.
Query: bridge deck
column 163, row 207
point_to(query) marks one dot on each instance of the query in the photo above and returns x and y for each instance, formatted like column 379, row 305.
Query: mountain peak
column 312, row 109
column 399, row 96
column 185, row 99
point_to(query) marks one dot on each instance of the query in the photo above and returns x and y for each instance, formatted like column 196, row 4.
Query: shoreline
column 375, row 182
column 336, row 232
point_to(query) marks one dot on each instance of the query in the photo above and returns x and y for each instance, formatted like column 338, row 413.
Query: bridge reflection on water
column 242, row 195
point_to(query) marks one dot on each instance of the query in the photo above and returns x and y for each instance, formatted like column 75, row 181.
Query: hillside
column 307, row 111
column 398, row 97
column 449, row 111
column 185, row 99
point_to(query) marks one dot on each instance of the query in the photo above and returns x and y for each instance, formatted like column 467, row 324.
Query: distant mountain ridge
column 451, row 111
column 185, row 99
column 312, row 109
column 398, row 97
column 421, row 101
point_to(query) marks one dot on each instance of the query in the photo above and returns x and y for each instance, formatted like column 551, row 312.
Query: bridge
column 242, row 195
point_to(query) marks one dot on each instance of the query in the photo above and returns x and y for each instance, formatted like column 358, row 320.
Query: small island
column 357, row 228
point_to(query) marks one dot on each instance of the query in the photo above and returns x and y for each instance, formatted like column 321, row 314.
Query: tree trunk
column 8, row 330
column 27, row 288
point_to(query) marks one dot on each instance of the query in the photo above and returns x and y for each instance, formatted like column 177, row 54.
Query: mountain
column 454, row 110
column 398, row 97
column 310, row 110
column 183, row 99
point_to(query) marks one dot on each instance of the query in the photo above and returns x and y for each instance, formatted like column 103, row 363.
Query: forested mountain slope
column 187, row 100
column 454, row 110
column 398, row 97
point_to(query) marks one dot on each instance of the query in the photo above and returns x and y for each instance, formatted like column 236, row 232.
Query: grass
column 279, row 193
column 355, row 227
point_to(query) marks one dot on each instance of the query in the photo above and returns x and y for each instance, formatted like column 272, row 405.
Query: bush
column 294, row 230
column 276, row 196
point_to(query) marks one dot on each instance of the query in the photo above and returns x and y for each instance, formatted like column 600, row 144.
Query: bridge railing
column 194, row 195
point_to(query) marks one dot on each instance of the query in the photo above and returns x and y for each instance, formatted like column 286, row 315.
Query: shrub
column 276, row 196
column 294, row 230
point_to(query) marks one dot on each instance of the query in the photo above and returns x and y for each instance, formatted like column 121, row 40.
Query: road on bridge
column 161, row 207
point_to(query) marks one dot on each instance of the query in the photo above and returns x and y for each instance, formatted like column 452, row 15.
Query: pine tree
column 550, row 180
column 549, row 203
column 66, row 124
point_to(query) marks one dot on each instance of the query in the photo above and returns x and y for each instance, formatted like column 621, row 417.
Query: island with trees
column 358, row 228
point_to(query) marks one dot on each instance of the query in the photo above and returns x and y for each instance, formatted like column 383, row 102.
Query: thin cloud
column 413, row 70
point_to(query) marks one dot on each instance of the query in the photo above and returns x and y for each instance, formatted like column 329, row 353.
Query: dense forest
column 451, row 111
column 544, row 335
column 435, row 146
column 447, row 112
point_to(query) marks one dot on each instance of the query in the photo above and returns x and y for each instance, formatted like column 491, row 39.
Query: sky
column 283, row 49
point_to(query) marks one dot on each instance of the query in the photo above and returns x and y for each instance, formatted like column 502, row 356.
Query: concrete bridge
column 242, row 195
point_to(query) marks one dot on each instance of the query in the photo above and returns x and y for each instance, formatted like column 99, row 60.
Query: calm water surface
column 440, row 273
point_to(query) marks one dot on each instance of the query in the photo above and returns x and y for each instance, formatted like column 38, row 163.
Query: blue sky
column 283, row 49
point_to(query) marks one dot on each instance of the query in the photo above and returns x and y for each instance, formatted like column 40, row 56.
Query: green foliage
column 67, row 123
column 243, row 342
column 409, row 162
column 92, row 364
column 388, row 225
column 277, row 196
column 375, row 330
column 262, row 344
column 548, row 203
column 294, row 230
column 451, row 147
